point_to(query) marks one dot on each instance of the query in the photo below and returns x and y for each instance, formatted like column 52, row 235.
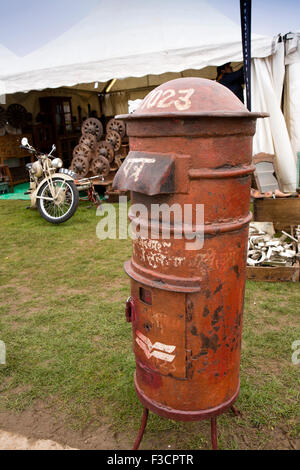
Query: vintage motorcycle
column 52, row 188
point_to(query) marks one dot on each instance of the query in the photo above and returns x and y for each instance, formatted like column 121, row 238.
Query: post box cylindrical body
column 190, row 152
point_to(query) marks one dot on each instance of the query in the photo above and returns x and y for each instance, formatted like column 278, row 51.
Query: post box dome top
column 191, row 97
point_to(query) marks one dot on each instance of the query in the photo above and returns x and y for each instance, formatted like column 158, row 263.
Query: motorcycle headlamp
column 57, row 163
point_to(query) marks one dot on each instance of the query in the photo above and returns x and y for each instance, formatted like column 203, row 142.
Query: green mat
column 18, row 193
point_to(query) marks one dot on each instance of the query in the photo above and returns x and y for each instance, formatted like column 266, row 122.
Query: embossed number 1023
column 165, row 98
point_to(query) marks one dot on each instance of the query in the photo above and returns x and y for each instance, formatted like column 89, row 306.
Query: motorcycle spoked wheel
column 64, row 208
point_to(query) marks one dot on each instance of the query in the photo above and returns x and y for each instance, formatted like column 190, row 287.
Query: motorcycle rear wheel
column 59, row 211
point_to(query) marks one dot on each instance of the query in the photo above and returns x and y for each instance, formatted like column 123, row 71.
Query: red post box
column 190, row 145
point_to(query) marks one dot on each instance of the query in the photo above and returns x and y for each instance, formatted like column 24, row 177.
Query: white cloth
column 292, row 89
column 272, row 135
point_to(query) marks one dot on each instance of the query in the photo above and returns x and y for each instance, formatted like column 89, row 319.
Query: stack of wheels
column 115, row 125
column 116, row 135
column 98, row 155
column 82, row 155
column 103, row 157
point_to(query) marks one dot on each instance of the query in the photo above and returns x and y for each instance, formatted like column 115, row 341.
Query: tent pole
column 245, row 7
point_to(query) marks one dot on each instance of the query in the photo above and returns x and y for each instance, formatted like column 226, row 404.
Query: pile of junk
column 274, row 236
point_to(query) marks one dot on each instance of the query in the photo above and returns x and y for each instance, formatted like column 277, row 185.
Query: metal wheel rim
column 105, row 165
column 82, row 151
column 84, row 162
column 116, row 125
column 106, row 150
column 115, row 140
column 57, row 212
column 92, row 126
column 88, row 140
column 16, row 115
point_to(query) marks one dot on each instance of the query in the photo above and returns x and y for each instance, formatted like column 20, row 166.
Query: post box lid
column 191, row 97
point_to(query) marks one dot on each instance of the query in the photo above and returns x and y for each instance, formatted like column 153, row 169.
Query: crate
column 274, row 274
column 284, row 212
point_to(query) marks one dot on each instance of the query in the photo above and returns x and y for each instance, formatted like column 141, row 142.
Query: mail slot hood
column 147, row 173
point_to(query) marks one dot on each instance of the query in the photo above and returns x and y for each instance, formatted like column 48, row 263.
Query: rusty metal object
column 82, row 150
column 3, row 117
column 80, row 165
column 88, row 140
column 92, row 126
column 100, row 166
column 114, row 139
column 17, row 115
column 116, row 125
column 190, row 143
column 105, row 149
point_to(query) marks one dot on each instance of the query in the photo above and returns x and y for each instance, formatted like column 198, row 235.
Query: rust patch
column 218, row 289
column 205, row 311
column 207, row 293
column 210, row 342
column 236, row 270
column 194, row 330
column 216, row 316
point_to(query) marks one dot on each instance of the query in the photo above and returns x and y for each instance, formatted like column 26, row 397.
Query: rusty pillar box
column 190, row 143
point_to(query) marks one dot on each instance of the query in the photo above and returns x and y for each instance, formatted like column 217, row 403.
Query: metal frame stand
column 213, row 428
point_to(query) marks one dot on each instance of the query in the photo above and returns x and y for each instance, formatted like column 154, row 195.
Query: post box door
column 159, row 330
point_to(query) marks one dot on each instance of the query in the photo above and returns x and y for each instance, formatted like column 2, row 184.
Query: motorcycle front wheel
column 59, row 201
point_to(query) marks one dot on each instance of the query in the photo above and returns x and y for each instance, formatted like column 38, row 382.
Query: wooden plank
column 274, row 274
column 282, row 212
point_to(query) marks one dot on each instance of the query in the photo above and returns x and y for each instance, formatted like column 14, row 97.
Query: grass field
column 69, row 348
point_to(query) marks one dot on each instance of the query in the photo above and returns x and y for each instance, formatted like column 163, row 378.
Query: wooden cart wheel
column 92, row 126
column 115, row 139
column 105, row 149
column 82, row 150
column 3, row 117
column 100, row 166
column 80, row 165
column 16, row 115
column 88, row 140
column 117, row 126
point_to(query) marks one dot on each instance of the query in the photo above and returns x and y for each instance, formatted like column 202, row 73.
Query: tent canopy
column 134, row 39
column 7, row 60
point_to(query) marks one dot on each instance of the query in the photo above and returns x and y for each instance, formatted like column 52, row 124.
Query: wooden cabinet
column 56, row 127
column 57, row 111
column 15, row 158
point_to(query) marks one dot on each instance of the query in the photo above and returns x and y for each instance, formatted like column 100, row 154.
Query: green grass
column 62, row 295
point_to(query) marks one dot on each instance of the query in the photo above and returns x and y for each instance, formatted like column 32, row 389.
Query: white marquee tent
column 7, row 60
column 142, row 44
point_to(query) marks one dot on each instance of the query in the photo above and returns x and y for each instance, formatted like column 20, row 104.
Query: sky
column 29, row 24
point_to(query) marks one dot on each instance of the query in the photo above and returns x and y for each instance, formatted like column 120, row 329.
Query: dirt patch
column 43, row 423
column 10, row 441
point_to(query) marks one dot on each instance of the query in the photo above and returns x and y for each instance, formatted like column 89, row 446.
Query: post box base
column 179, row 415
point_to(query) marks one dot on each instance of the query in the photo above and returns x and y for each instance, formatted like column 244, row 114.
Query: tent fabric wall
column 272, row 135
column 139, row 87
column 292, row 89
